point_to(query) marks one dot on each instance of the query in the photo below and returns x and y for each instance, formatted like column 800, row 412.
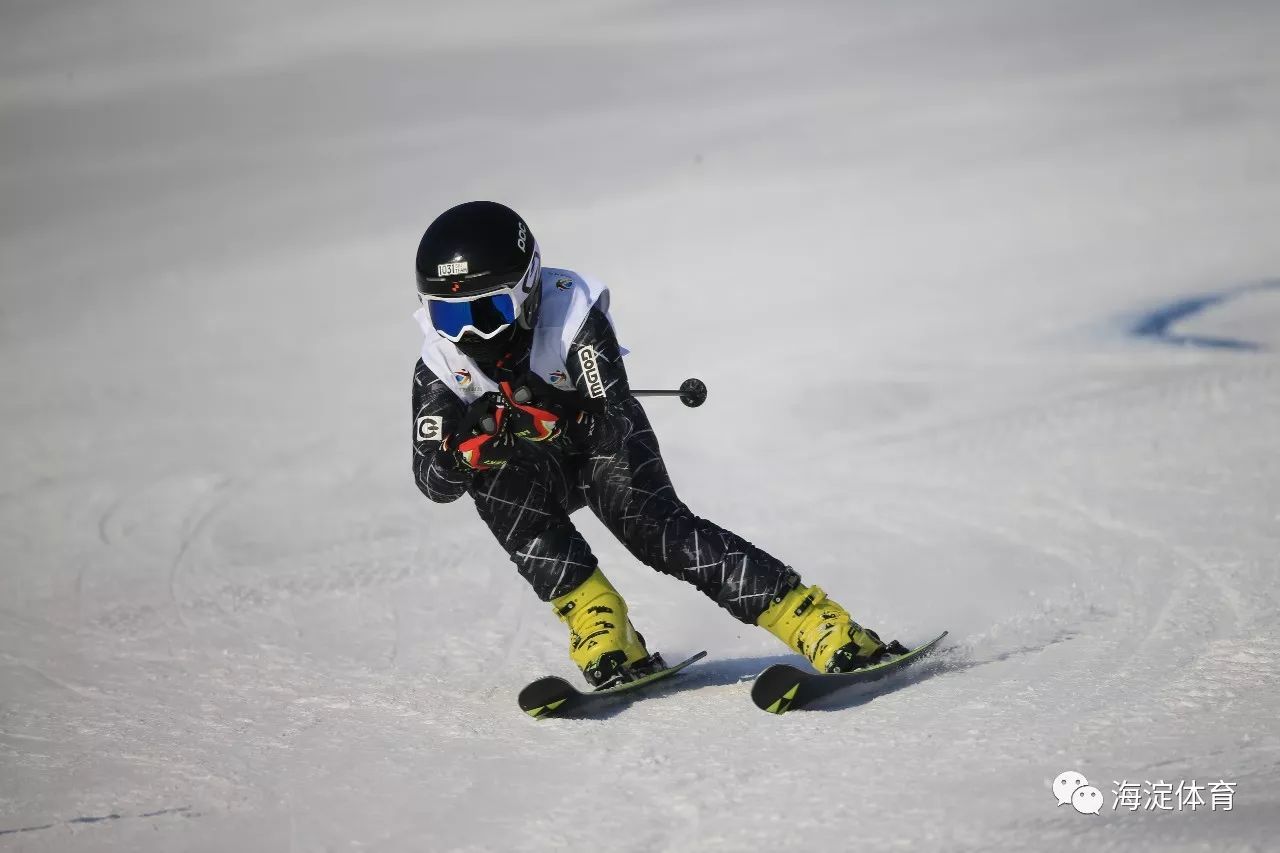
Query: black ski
column 782, row 687
column 551, row 694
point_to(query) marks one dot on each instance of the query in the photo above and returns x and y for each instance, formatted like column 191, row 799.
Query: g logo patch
column 430, row 428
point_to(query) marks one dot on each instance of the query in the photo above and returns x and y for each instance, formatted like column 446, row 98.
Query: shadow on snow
column 1157, row 324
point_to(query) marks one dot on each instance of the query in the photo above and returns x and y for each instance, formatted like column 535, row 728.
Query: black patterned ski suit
column 613, row 466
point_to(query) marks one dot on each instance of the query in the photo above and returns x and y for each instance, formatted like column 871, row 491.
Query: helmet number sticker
column 591, row 371
column 430, row 428
column 456, row 268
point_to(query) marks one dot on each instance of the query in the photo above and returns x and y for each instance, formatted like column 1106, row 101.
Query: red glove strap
column 472, row 448
column 544, row 422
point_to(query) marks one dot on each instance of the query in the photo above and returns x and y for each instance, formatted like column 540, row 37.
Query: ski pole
column 692, row 392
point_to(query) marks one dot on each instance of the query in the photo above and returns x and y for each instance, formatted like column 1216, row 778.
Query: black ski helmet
column 477, row 248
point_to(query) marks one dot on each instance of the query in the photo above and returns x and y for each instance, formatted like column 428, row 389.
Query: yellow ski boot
column 824, row 632
column 601, row 640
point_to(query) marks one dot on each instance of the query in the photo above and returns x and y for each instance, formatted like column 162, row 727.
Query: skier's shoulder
column 435, row 362
column 568, row 297
column 431, row 355
column 423, row 376
column 558, row 281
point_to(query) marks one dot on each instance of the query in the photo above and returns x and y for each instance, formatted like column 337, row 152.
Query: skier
column 520, row 399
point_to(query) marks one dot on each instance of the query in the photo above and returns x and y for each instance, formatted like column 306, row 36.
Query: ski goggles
column 485, row 315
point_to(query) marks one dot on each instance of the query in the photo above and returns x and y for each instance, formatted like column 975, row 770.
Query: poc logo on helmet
column 523, row 240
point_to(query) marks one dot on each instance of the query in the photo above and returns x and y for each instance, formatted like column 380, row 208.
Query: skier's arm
column 595, row 364
column 436, row 412
column 600, row 383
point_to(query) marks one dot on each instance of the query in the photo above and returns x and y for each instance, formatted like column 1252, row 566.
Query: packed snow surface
column 986, row 298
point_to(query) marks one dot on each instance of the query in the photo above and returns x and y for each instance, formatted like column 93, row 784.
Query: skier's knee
column 550, row 539
column 658, row 517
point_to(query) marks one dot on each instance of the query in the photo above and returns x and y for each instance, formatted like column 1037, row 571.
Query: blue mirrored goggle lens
column 486, row 313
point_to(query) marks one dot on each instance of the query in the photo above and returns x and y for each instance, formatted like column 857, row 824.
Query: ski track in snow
column 1034, row 248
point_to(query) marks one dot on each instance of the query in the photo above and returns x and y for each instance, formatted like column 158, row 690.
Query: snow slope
column 1029, row 250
